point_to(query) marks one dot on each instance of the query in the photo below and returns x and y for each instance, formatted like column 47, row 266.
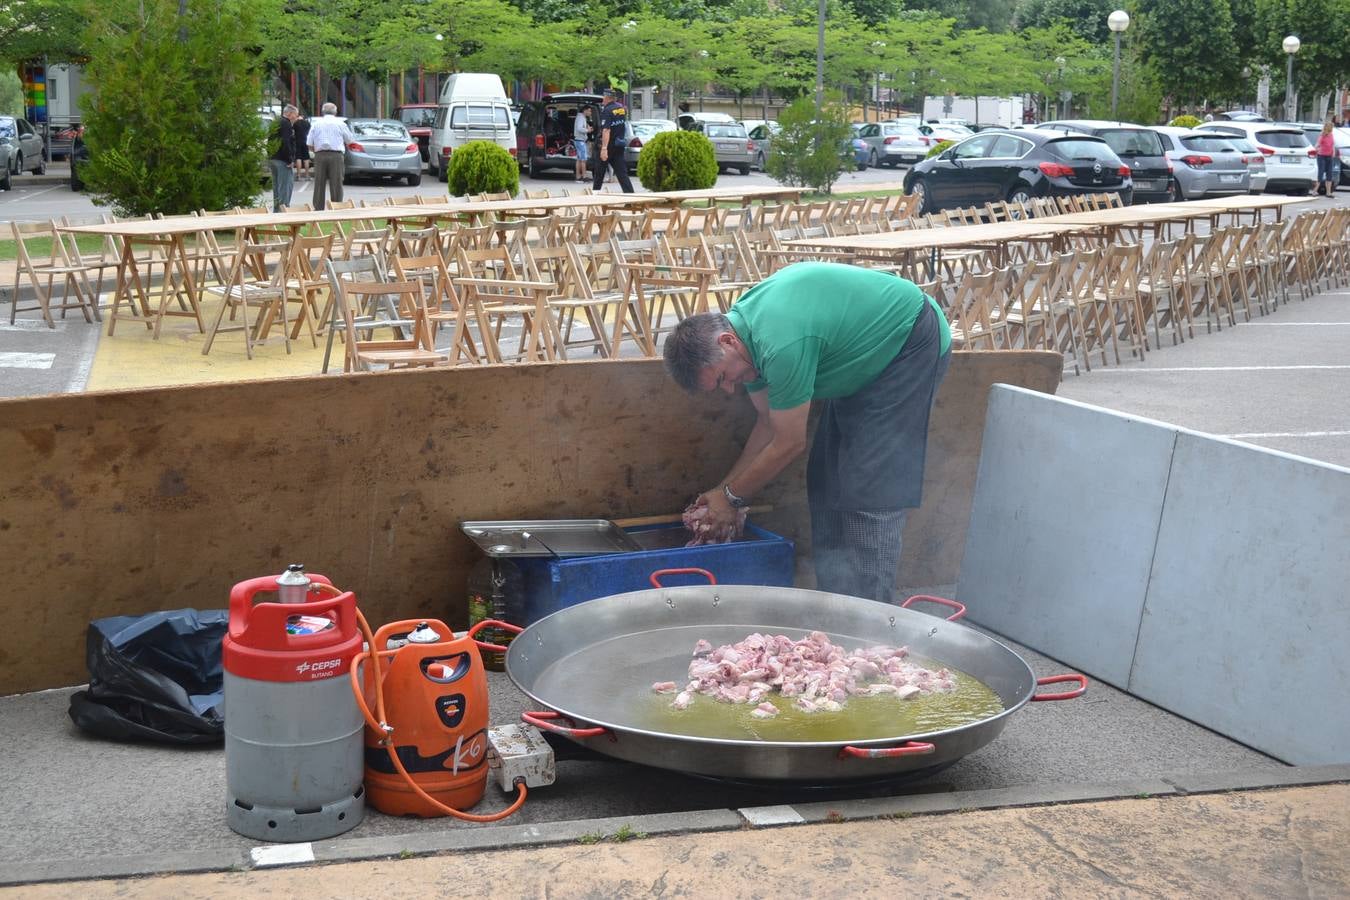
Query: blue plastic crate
column 552, row 584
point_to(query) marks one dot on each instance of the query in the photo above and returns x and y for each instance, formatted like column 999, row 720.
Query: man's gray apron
column 866, row 468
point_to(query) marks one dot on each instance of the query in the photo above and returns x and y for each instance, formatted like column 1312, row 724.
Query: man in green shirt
column 870, row 345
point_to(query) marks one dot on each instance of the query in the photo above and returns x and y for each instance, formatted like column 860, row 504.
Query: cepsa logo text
column 324, row 669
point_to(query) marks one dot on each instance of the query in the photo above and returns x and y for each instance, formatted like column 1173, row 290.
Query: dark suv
column 544, row 131
column 418, row 118
column 1140, row 149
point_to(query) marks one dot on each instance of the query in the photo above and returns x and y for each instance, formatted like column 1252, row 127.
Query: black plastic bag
column 156, row 677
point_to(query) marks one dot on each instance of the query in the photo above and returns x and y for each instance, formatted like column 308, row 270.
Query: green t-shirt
column 823, row 330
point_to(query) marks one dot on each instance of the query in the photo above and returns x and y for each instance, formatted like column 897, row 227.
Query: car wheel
column 744, row 170
column 759, row 162
column 6, row 180
column 41, row 167
column 532, row 168
column 441, row 174
column 18, row 164
column 1019, row 194
column 1177, row 195
column 872, row 159
column 920, row 189
column 415, row 180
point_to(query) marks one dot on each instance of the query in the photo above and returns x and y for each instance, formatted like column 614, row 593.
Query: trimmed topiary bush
column 677, row 161
column 938, row 148
column 482, row 167
column 1183, row 122
column 811, row 149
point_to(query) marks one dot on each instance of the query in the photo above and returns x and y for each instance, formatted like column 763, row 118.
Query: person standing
column 282, row 140
column 328, row 140
column 874, row 348
column 613, row 138
column 581, row 137
column 1326, row 156
column 301, row 148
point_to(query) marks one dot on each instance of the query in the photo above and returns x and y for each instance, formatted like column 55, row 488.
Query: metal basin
column 592, row 662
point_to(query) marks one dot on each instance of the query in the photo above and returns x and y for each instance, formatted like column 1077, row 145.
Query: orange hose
column 379, row 723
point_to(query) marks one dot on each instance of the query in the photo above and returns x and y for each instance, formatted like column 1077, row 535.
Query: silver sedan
column 893, row 143
column 731, row 145
column 383, row 149
column 1204, row 164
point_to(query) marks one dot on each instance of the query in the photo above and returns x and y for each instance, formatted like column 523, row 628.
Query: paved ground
column 1277, row 843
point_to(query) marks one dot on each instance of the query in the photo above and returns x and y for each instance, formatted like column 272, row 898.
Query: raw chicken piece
column 702, row 647
column 682, row 700
column 909, row 690
column 664, row 687
column 764, row 711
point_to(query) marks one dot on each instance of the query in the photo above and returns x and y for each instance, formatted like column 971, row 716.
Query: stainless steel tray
column 549, row 537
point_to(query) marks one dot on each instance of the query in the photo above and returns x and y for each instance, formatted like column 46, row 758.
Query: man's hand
column 604, row 156
column 721, row 514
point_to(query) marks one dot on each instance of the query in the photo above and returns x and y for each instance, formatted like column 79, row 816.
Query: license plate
column 1230, row 177
column 1291, row 160
column 385, row 165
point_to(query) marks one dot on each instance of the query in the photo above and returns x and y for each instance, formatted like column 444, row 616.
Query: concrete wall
column 1209, row 577
column 127, row 502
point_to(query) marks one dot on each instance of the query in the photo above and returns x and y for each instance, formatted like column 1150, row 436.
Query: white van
column 473, row 107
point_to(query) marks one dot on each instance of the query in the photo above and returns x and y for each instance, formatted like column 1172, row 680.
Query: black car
column 1016, row 166
column 544, row 131
column 1139, row 147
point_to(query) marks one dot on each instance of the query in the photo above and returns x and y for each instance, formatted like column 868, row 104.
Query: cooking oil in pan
column 862, row 718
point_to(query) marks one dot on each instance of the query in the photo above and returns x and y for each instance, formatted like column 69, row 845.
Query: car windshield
column 1132, row 142
column 378, row 129
column 7, row 128
column 646, row 130
column 479, row 116
column 1282, row 139
column 1241, row 144
column 1081, row 149
column 418, row 118
column 1207, row 144
column 724, row 131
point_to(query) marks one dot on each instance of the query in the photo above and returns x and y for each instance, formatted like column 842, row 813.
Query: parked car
column 942, row 132
column 1291, row 166
column 418, row 119
column 1016, row 166
column 762, row 137
column 644, row 130
column 472, row 107
column 893, row 143
column 1313, row 131
column 860, row 148
column 24, row 149
column 698, row 121
column 1204, row 164
column 544, row 133
column 731, row 145
column 1240, row 115
column 1139, row 147
column 383, row 149
column 1255, row 160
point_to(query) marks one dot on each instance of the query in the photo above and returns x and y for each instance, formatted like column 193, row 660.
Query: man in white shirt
column 327, row 141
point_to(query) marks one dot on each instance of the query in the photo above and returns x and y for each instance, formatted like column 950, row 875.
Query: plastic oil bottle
column 496, row 590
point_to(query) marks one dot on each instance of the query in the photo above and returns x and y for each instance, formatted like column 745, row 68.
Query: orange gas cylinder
column 436, row 702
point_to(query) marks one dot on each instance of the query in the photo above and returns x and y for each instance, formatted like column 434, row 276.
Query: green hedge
column 677, row 161
column 482, row 167
column 938, row 148
column 1183, row 122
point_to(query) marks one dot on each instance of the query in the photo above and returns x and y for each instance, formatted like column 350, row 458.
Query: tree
column 1189, row 45
column 1323, row 62
column 42, row 29
column 1087, row 18
column 172, row 123
column 811, row 150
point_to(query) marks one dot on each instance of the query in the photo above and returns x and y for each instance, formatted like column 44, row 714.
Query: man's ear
column 727, row 339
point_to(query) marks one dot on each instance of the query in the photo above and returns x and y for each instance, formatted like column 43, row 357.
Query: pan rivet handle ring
column 716, row 599
column 670, row 601
column 891, row 620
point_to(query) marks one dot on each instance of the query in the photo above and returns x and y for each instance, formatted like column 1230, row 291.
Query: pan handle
column 913, row 748
column 542, row 720
column 1062, row 695
column 656, row 576
column 959, row 607
column 492, row 623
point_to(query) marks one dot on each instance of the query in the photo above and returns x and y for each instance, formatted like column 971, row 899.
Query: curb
column 661, row 824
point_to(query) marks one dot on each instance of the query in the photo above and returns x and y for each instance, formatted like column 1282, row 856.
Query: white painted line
column 771, row 815
column 33, row 325
column 1288, row 434
column 16, row 360
column 1299, row 324
column 282, row 854
column 1219, row 369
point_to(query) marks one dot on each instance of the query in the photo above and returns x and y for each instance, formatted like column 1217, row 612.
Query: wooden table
column 713, row 195
column 1255, row 204
column 900, row 246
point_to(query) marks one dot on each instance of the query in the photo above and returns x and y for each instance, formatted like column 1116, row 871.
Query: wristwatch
column 735, row 501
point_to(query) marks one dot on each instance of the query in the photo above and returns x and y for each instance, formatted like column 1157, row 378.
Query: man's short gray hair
column 329, row 109
column 692, row 347
column 289, row 108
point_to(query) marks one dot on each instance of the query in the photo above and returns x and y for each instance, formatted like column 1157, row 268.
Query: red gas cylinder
column 436, row 701
column 292, row 729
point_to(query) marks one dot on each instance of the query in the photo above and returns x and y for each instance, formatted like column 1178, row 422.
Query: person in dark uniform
column 613, row 138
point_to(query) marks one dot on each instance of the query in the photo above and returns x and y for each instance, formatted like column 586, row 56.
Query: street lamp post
column 1060, row 63
column 820, row 56
column 878, row 48
column 1118, row 21
column 1290, row 45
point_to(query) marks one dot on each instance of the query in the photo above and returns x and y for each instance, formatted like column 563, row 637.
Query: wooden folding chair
column 395, row 351
column 1163, row 291
column 77, row 292
column 497, row 286
column 378, row 310
column 1117, row 294
column 307, row 280
column 439, row 300
column 971, row 320
column 562, row 265
column 244, row 291
column 1027, row 309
